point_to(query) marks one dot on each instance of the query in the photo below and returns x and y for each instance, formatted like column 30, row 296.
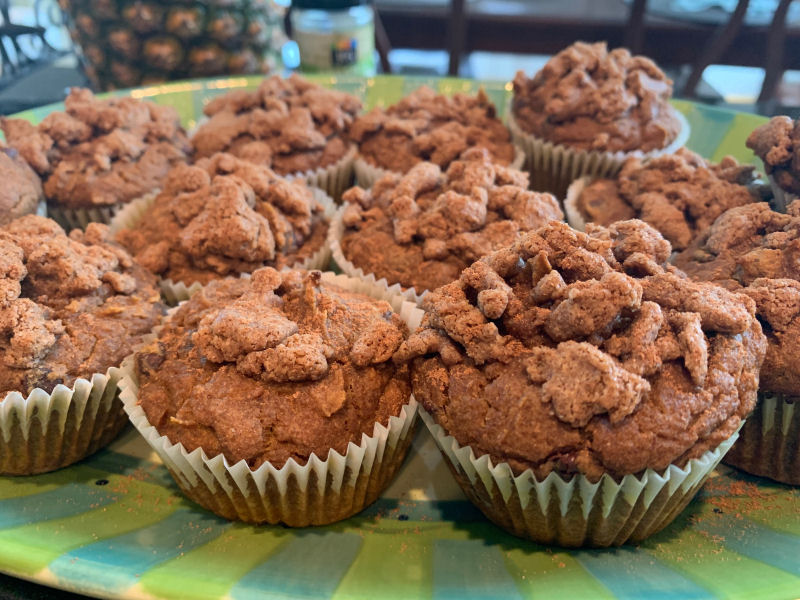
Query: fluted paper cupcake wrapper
column 576, row 512
column 41, row 208
column 47, row 431
column 178, row 291
column 335, row 233
column 367, row 174
column 573, row 214
column 322, row 491
column 782, row 197
column 769, row 444
column 79, row 218
column 333, row 179
column 554, row 166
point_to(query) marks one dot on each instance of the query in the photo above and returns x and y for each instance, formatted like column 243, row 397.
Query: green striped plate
column 116, row 525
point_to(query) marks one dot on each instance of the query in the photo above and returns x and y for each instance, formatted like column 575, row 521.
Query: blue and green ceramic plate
column 116, row 526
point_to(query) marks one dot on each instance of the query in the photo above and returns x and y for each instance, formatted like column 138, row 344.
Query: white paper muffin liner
column 571, row 211
column 79, row 218
column 769, row 442
column 335, row 233
column 553, row 167
column 320, row 492
column 782, row 197
column 367, row 174
column 41, row 208
column 177, row 291
column 576, row 512
column 47, row 431
column 333, row 179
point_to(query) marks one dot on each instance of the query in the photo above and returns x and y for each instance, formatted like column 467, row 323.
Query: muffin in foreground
column 581, row 390
column 587, row 110
column 291, row 125
column 22, row 189
column 268, row 385
column 99, row 155
column 777, row 143
column 756, row 251
column 71, row 308
column 421, row 229
column 428, row 127
column 678, row 194
column 224, row 216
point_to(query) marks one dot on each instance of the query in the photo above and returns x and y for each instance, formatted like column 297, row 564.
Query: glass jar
column 334, row 35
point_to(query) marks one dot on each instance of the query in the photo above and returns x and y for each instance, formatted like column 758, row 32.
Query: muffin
column 224, row 216
column 429, row 127
column 679, row 194
column 755, row 250
column 776, row 143
column 587, row 110
column 274, row 398
column 22, row 189
column 582, row 390
column 99, row 155
column 71, row 308
column 419, row 230
column 291, row 125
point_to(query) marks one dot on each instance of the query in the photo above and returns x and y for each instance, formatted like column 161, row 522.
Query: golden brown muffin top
column 755, row 250
column 429, row 127
column 224, row 216
column 22, row 188
column 777, row 143
column 679, row 194
column 584, row 353
column 589, row 98
column 290, row 125
column 422, row 228
column 277, row 366
column 70, row 306
column 100, row 152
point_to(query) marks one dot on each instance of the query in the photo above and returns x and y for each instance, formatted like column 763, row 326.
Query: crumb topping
column 100, row 152
column 429, row 127
column 591, row 99
column 422, row 228
column 222, row 216
column 586, row 353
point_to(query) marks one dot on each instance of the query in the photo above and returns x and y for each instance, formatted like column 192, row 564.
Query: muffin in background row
column 274, row 398
column 581, row 390
column 756, row 251
column 224, row 216
column 777, row 144
column 428, row 127
column 22, row 192
column 293, row 126
column 678, row 194
column 71, row 308
column 589, row 109
column 417, row 231
column 98, row 155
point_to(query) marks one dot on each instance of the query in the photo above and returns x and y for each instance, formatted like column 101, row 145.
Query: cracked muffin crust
column 290, row 125
column 277, row 366
column 588, row 98
column 583, row 353
column 429, row 127
column 70, row 306
column 422, row 228
column 100, row 152
column 777, row 143
column 225, row 216
column 678, row 194
column 22, row 188
column 755, row 250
